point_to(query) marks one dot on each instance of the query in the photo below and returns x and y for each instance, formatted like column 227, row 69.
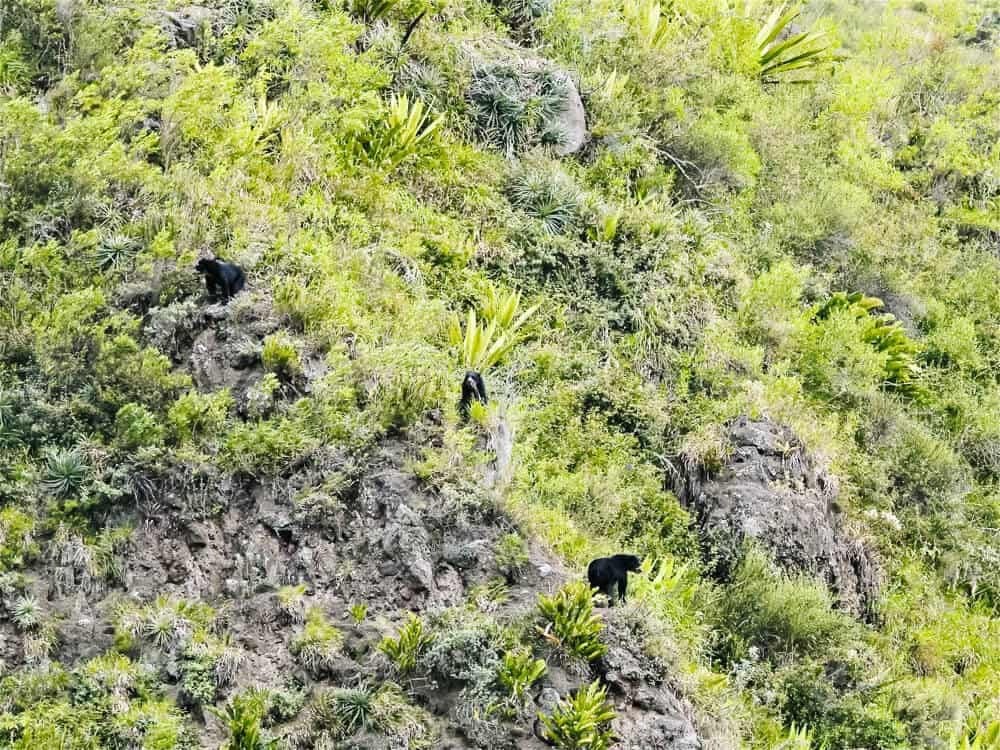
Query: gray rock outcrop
column 770, row 491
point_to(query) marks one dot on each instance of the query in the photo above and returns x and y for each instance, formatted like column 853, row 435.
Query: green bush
column 409, row 643
column 242, row 716
column 268, row 446
column 581, row 722
column 510, row 552
column 17, row 543
column 519, row 670
column 512, row 108
column 546, row 196
column 319, row 643
column 195, row 415
column 136, row 426
column 280, row 356
column 572, row 623
column 776, row 614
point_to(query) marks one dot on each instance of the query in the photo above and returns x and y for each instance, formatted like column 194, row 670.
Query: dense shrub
column 777, row 615
column 572, row 624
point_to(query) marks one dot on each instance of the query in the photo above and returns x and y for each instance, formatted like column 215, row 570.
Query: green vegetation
column 410, row 642
column 318, row 644
column 785, row 212
column 242, row 716
column 519, row 671
column 580, row 722
column 572, row 624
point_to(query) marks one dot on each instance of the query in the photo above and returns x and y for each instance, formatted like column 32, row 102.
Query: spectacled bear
column 605, row 572
column 221, row 278
column 473, row 387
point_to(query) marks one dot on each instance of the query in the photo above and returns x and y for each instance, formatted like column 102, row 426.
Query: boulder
column 770, row 491
column 650, row 715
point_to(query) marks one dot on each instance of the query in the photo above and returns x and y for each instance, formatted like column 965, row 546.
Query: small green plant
column 511, row 555
column 484, row 344
column 280, row 356
column 370, row 11
column 26, row 613
column 581, row 722
column 195, row 415
column 136, row 426
column 984, row 738
column 116, row 251
column 886, row 335
column 290, row 601
column 410, row 642
column 319, row 643
column 65, row 472
column 345, row 711
column 519, row 670
column 358, row 612
column 572, row 623
column 797, row 738
column 607, row 228
column 548, row 197
column 242, row 716
column 798, row 52
column 648, row 22
column 407, row 126
column 513, row 109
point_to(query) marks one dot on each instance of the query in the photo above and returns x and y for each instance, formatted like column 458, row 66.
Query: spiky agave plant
column 776, row 57
column 549, row 198
column 26, row 613
column 65, row 472
column 348, row 710
column 116, row 251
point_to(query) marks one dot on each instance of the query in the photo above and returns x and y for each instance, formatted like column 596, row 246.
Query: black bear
column 604, row 572
column 473, row 387
column 222, row 279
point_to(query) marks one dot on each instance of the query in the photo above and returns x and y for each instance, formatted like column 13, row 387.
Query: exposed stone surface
column 649, row 713
column 769, row 491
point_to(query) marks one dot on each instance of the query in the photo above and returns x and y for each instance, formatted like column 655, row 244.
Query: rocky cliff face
column 386, row 540
column 770, row 492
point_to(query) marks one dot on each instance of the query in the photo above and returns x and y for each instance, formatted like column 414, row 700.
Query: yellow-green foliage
column 410, row 642
column 714, row 250
column 319, row 642
column 582, row 721
column 571, row 623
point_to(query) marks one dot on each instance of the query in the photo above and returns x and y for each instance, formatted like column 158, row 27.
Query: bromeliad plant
column 581, row 722
column 572, row 624
column 487, row 342
column 406, row 128
column 242, row 716
column 519, row 670
column 410, row 643
column 648, row 22
column 777, row 57
column 886, row 335
column 985, row 738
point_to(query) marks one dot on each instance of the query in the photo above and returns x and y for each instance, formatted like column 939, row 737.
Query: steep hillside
column 730, row 273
